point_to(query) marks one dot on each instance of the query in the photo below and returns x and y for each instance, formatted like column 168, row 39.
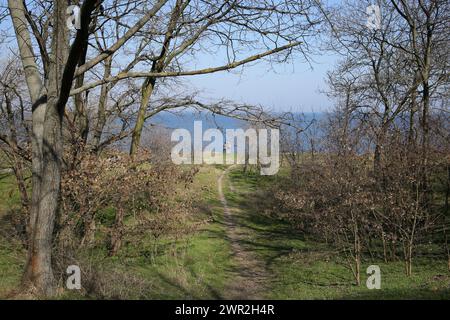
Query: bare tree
column 49, row 103
column 14, row 140
column 58, row 66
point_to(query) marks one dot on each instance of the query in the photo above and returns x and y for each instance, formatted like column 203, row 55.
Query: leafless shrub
column 338, row 198
column 139, row 197
column 100, row 280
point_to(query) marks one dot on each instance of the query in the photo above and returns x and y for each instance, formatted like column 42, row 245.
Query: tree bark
column 147, row 91
column 117, row 232
column 158, row 66
column 47, row 131
column 41, row 272
column 38, row 98
column 102, row 105
column 425, row 143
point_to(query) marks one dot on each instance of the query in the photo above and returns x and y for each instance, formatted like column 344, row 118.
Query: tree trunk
column 383, row 238
column 47, row 114
column 407, row 252
column 89, row 230
column 393, row 251
column 147, row 90
column 447, row 250
column 357, row 261
column 158, row 66
column 81, row 113
column 378, row 152
column 102, row 104
column 39, row 270
column 116, row 232
column 411, row 130
column 425, row 144
column 357, row 251
column 41, row 264
column 377, row 161
column 34, row 84
column 447, row 190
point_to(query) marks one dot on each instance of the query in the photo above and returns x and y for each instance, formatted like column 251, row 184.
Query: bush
column 108, row 197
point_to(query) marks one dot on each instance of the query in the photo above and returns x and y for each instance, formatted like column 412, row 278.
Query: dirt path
column 250, row 275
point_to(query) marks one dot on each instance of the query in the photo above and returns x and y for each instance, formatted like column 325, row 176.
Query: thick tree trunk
column 41, row 263
column 47, row 114
column 38, row 117
column 39, row 271
column 34, row 84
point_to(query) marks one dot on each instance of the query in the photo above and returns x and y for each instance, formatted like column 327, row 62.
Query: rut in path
column 250, row 275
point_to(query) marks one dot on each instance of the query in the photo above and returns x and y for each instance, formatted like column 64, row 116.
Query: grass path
column 248, row 279
column 242, row 251
column 295, row 266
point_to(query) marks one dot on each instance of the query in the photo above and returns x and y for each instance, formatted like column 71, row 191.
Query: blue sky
column 294, row 86
column 291, row 87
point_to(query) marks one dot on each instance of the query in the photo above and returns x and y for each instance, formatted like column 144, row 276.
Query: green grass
column 12, row 256
column 200, row 265
column 9, row 194
column 199, row 272
column 304, row 269
column 195, row 266
column 11, row 266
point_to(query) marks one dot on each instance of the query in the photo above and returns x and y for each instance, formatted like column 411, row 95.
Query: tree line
column 68, row 96
column 376, row 181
